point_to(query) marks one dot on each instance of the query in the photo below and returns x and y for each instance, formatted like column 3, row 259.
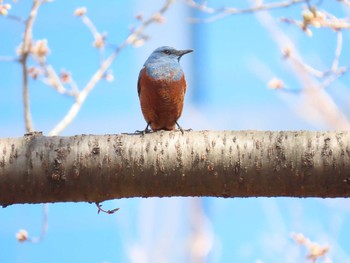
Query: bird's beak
column 180, row 53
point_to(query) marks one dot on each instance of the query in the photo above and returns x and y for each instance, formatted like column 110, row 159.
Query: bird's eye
column 167, row 52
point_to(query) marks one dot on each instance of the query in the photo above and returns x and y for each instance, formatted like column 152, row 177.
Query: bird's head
column 165, row 53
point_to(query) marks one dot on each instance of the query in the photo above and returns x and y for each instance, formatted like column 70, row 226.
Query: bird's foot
column 143, row 132
column 146, row 130
column 180, row 128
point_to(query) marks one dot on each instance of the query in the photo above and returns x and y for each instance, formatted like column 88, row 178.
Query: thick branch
column 38, row 169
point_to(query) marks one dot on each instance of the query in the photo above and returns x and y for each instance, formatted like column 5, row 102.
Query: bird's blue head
column 167, row 53
column 164, row 62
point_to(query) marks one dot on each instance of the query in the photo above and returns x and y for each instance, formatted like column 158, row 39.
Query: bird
column 161, row 88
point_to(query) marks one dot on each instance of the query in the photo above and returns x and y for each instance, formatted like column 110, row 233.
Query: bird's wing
column 139, row 81
column 185, row 87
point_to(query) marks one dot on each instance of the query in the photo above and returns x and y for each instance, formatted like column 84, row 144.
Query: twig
column 23, row 236
column 338, row 50
column 44, row 225
column 315, row 97
column 318, row 18
column 228, row 11
column 154, row 18
column 98, row 37
column 16, row 18
column 86, row 20
column 315, row 250
column 311, row 70
column 8, row 59
column 331, row 74
column 100, row 209
column 333, row 77
column 27, row 114
column 74, row 88
column 25, row 51
column 52, row 79
column 73, row 111
column 345, row 2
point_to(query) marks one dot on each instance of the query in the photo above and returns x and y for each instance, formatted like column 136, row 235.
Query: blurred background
column 248, row 72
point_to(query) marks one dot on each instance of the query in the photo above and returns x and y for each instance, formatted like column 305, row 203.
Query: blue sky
column 227, row 78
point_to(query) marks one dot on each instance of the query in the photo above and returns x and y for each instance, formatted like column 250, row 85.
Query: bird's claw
column 180, row 128
column 143, row 132
column 146, row 130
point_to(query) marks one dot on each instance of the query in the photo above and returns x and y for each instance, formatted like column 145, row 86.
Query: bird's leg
column 146, row 130
column 180, row 128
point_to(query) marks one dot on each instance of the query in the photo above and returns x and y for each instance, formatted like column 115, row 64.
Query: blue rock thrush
column 161, row 88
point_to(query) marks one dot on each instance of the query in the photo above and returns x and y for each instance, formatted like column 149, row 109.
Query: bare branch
column 309, row 69
column 334, row 76
column 137, row 33
column 99, row 39
column 73, row 111
column 304, row 72
column 86, row 20
column 27, row 115
column 25, row 51
column 23, row 235
column 74, row 88
column 318, row 18
column 16, row 18
column 228, row 11
column 315, row 250
column 8, row 59
column 100, row 73
column 52, row 79
column 345, row 2
column 329, row 75
column 44, row 226
column 316, row 100
column 338, row 50
column 100, row 209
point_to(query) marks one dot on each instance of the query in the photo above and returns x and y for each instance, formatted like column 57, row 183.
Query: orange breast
column 161, row 101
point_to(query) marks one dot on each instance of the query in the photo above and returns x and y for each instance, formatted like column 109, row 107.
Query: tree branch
column 314, row 95
column 337, row 52
column 27, row 115
column 8, row 59
column 39, row 169
column 228, row 11
column 53, row 80
column 346, row 2
column 25, row 51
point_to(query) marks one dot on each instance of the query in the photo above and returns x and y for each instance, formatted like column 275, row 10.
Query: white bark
column 39, row 169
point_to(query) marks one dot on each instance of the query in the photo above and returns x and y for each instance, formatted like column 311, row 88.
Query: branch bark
column 39, row 169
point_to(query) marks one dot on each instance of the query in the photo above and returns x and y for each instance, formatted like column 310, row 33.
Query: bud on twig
column 80, row 11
